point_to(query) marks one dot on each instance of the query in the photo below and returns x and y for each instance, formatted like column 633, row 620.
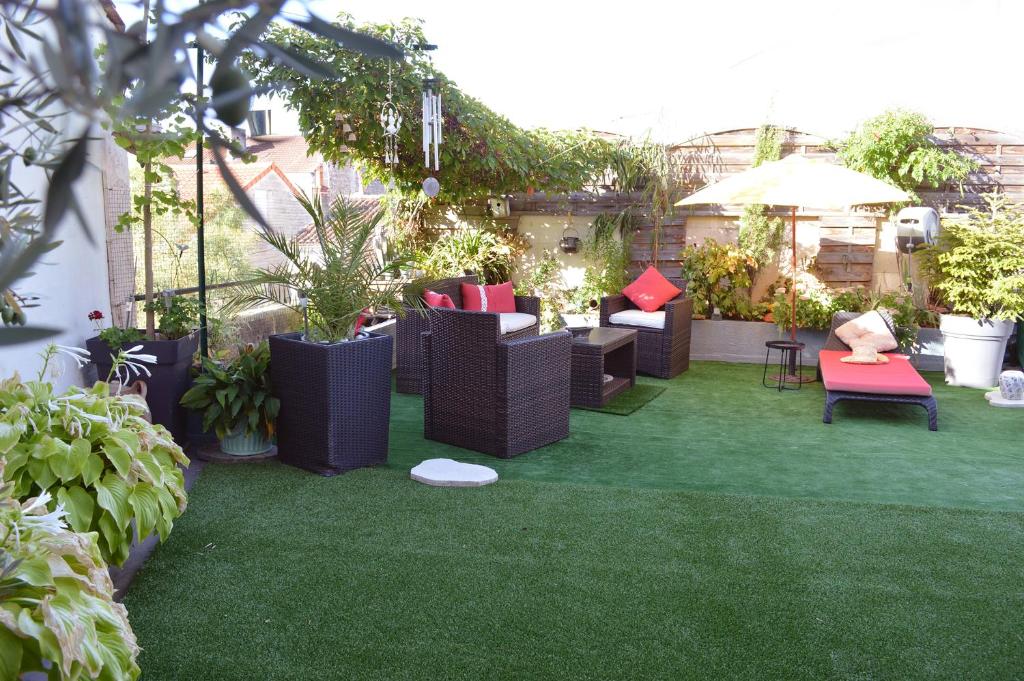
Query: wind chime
column 432, row 121
column 391, row 121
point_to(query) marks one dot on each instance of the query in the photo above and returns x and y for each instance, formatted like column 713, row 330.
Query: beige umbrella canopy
column 798, row 181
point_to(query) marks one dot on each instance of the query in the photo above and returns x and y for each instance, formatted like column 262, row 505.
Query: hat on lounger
column 865, row 354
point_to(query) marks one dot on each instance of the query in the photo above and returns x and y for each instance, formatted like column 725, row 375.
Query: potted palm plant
column 236, row 401
column 333, row 380
column 977, row 268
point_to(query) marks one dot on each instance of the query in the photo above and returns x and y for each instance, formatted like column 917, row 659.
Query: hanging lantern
column 431, row 122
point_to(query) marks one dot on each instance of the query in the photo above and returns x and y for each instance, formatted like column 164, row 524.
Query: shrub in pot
column 174, row 347
column 236, row 401
column 977, row 268
column 57, row 608
column 333, row 381
column 93, row 452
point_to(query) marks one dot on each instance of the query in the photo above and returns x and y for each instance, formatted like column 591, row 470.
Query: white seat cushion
column 515, row 321
column 652, row 320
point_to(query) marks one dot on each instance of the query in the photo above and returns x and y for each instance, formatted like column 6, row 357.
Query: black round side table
column 791, row 365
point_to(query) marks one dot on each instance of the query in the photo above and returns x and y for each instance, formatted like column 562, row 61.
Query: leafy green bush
column 482, row 251
column 977, row 266
column 56, row 598
column 718, row 275
column 898, row 147
column 236, row 393
column 97, row 455
column 814, row 310
column 544, row 280
column 179, row 315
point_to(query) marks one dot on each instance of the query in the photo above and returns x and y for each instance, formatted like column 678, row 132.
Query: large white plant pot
column 974, row 350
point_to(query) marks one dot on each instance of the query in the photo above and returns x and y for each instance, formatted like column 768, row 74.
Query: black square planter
column 335, row 402
column 171, row 376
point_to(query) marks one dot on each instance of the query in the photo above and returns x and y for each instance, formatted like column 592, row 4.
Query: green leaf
column 41, row 473
column 120, row 457
column 10, row 654
column 92, row 469
column 9, row 436
column 112, row 494
column 35, row 571
column 146, row 504
column 80, row 507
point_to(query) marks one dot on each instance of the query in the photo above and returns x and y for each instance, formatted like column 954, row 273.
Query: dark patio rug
column 625, row 403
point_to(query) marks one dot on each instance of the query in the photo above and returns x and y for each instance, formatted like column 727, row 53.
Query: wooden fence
column 847, row 239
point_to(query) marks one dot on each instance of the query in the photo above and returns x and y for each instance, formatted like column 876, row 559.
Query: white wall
column 70, row 281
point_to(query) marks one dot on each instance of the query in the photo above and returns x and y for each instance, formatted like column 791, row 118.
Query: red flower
column 95, row 315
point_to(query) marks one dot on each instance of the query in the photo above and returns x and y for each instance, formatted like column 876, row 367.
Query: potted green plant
column 977, row 268
column 333, row 380
column 116, row 474
column 174, row 346
column 236, row 401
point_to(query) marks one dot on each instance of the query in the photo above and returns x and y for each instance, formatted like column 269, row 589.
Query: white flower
column 80, row 355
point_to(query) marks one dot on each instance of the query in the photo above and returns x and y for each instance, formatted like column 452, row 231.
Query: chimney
column 240, row 136
column 259, row 123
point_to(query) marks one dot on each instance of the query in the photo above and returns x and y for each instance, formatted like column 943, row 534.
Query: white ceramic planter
column 974, row 350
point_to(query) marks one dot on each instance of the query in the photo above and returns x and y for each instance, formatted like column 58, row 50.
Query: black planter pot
column 335, row 402
column 171, row 377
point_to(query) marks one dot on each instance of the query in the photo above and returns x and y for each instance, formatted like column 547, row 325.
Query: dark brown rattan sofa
column 664, row 353
column 490, row 393
column 408, row 331
column 899, row 365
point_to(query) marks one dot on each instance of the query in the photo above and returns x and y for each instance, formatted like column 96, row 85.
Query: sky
column 675, row 70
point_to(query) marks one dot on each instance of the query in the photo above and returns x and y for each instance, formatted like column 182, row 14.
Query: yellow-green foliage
column 96, row 455
column 977, row 266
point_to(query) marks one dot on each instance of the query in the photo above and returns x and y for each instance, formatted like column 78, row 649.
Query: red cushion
column 361, row 320
column 651, row 290
column 898, row 377
column 434, row 299
column 490, row 298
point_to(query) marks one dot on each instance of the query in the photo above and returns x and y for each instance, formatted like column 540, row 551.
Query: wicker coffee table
column 599, row 352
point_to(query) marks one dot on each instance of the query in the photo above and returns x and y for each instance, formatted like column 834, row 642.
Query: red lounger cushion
column 898, row 377
column 651, row 290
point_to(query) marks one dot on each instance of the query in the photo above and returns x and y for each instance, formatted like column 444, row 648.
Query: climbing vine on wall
column 760, row 235
column 482, row 153
column 898, row 147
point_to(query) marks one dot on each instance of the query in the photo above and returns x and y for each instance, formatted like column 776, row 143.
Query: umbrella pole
column 792, row 289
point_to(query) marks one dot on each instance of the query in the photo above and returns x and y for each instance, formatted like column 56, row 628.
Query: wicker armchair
column 664, row 353
column 411, row 326
column 493, row 394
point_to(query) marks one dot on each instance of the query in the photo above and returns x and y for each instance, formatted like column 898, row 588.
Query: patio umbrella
column 798, row 182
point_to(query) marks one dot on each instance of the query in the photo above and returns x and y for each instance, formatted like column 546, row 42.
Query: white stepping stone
column 450, row 473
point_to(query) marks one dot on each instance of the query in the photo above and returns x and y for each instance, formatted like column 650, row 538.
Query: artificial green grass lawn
column 638, row 572
column 717, row 429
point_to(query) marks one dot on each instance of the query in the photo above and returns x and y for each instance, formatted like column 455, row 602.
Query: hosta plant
column 236, row 393
column 95, row 454
column 56, row 598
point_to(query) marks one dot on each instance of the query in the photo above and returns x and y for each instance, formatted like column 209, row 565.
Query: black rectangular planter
column 335, row 402
column 171, row 377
